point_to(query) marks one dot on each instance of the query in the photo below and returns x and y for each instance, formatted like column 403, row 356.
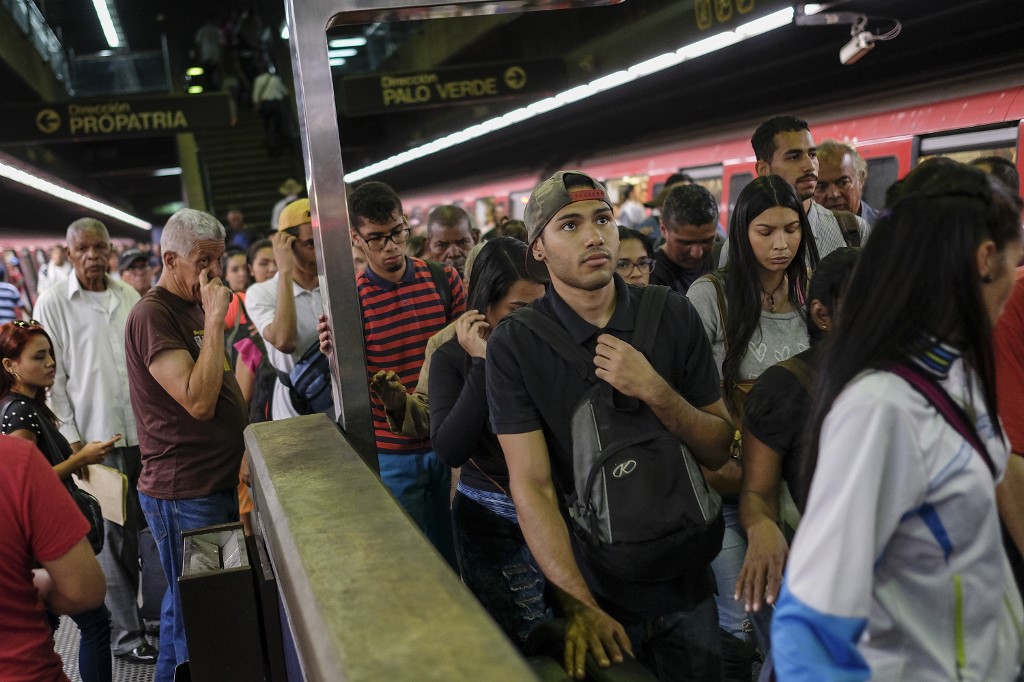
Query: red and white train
column 892, row 131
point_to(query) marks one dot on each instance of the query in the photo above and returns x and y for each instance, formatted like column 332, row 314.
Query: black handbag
column 87, row 504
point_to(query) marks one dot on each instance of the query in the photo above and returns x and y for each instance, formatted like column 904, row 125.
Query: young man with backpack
column 603, row 443
column 285, row 308
column 404, row 302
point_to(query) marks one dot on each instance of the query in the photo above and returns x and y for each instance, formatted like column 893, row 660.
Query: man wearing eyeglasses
column 689, row 220
column 403, row 306
column 285, row 307
column 450, row 237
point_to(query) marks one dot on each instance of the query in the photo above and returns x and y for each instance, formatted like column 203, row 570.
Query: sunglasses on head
column 26, row 325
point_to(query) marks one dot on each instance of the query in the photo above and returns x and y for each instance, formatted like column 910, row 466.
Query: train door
column 632, row 188
column 490, row 212
column 517, row 203
column 735, row 176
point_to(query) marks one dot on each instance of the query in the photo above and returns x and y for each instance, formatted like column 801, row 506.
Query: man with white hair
column 842, row 172
column 187, row 403
column 85, row 316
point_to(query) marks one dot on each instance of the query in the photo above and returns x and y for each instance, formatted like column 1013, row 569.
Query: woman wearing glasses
column 636, row 257
column 753, row 316
column 27, row 368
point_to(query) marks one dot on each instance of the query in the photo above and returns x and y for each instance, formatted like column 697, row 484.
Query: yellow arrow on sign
column 48, row 121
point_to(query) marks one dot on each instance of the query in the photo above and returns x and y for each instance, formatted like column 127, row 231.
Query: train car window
column 969, row 145
column 736, row 184
column 882, row 172
column 708, row 177
column 517, row 203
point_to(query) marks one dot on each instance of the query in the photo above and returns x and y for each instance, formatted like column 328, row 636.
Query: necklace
column 771, row 295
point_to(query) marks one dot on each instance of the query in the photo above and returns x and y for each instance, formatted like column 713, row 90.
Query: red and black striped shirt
column 398, row 319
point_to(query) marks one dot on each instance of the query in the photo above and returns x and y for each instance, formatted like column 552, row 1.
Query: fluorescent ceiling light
column 347, row 42
column 164, row 172
column 336, row 61
column 195, row 89
column 757, row 27
column 69, row 195
column 194, row 71
column 106, row 22
column 347, row 52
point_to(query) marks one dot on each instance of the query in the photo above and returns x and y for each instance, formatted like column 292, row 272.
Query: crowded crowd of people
column 793, row 446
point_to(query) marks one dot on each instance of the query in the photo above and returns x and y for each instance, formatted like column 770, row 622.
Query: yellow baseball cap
column 294, row 214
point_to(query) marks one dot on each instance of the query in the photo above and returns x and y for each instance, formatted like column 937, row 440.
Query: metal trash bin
column 218, row 605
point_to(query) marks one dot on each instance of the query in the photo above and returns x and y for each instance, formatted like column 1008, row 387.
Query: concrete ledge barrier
column 365, row 594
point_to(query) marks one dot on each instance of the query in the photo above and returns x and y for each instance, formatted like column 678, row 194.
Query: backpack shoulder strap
column 949, row 410
column 444, row 287
column 648, row 317
column 722, row 314
column 849, row 226
column 554, row 335
column 801, row 370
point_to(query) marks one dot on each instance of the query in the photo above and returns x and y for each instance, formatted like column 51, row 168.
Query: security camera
column 860, row 44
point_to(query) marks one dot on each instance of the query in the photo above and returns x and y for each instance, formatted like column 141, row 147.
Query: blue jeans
column 733, row 619
column 680, row 646
column 498, row 568
column 167, row 519
column 94, row 647
column 422, row 485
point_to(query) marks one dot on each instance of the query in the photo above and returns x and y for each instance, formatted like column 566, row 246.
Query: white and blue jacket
column 898, row 571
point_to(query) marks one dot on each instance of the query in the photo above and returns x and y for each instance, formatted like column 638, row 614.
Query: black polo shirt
column 530, row 387
column 676, row 277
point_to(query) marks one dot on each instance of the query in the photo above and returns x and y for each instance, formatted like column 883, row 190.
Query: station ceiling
column 788, row 70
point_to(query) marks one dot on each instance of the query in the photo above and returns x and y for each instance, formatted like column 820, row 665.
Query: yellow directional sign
column 48, row 121
column 472, row 84
column 115, row 117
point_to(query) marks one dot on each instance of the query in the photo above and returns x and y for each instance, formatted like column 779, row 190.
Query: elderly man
column 285, row 307
column 842, row 173
column 85, row 316
column 188, row 405
column 450, row 237
column 135, row 270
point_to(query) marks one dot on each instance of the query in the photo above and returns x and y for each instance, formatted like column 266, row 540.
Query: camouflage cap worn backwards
column 552, row 195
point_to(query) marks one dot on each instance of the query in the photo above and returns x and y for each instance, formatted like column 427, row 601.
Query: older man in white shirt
column 85, row 317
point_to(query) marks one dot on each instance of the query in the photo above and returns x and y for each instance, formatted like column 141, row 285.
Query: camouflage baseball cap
column 552, row 195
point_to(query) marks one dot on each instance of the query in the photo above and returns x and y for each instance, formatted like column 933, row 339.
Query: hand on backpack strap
column 624, row 367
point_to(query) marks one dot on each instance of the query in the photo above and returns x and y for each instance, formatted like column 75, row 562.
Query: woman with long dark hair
column 774, row 419
column 493, row 557
column 27, row 368
column 898, row 570
column 753, row 316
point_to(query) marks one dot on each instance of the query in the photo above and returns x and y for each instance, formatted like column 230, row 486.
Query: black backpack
column 640, row 507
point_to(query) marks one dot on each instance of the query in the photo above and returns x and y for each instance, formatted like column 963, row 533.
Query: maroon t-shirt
column 182, row 457
column 38, row 522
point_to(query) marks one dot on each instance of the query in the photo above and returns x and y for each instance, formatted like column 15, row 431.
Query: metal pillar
column 308, row 21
